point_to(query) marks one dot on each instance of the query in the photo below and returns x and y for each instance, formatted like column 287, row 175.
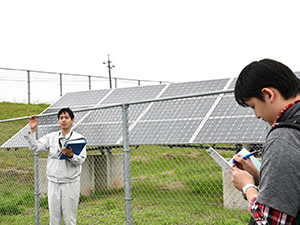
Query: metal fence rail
column 148, row 183
column 48, row 87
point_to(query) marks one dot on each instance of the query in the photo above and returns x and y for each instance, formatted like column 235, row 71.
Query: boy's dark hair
column 64, row 110
column 265, row 73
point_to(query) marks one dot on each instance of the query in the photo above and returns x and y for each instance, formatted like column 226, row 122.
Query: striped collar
column 284, row 110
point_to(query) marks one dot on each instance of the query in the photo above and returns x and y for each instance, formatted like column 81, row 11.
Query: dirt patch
column 138, row 178
column 140, row 159
column 172, row 185
column 14, row 171
column 195, row 155
column 168, row 155
column 169, row 173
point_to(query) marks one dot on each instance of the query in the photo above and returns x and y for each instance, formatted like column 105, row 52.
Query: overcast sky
column 166, row 40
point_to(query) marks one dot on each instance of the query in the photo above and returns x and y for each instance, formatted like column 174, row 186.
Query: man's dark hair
column 64, row 110
column 265, row 73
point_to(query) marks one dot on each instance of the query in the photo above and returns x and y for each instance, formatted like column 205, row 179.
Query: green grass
column 169, row 185
column 14, row 110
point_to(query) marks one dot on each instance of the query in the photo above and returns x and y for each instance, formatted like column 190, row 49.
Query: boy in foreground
column 63, row 175
column 272, row 90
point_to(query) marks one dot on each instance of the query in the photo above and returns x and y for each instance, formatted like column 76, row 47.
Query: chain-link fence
column 159, row 173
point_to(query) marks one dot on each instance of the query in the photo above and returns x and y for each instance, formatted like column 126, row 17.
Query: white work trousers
column 63, row 200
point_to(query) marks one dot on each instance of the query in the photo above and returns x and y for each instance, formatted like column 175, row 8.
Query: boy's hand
column 243, row 164
column 247, row 165
column 241, row 178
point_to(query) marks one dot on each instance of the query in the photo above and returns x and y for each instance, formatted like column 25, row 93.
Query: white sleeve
column 41, row 145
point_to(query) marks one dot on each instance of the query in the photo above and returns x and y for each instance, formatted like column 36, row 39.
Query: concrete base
column 232, row 198
column 99, row 172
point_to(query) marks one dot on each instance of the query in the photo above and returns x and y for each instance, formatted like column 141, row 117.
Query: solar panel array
column 211, row 119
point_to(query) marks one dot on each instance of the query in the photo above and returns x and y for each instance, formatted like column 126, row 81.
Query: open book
column 76, row 144
column 227, row 165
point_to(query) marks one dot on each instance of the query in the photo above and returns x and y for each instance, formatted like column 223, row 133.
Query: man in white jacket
column 63, row 175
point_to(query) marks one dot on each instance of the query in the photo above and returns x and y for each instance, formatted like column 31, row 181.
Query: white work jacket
column 58, row 171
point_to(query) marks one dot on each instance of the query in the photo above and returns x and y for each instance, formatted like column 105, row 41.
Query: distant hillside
column 10, row 110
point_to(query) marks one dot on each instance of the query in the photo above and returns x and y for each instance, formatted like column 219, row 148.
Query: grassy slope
column 14, row 110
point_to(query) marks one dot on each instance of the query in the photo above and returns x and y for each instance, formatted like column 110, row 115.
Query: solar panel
column 124, row 95
column 232, row 130
column 163, row 132
column 207, row 119
column 176, row 89
column 82, row 99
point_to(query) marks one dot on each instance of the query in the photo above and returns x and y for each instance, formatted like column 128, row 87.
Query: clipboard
column 220, row 160
column 77, row 146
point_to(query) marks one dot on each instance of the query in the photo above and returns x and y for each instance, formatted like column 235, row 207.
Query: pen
column 248, row 155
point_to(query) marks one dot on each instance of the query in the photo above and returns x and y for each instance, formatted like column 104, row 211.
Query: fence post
column 36, row 185
column 127, row 167
column 60, row 83
column 28, row 81
column 90, row 84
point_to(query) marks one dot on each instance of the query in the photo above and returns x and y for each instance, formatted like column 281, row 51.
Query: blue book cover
column 76, row 144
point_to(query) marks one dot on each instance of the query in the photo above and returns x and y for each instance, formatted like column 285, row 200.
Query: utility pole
column 109, row 67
